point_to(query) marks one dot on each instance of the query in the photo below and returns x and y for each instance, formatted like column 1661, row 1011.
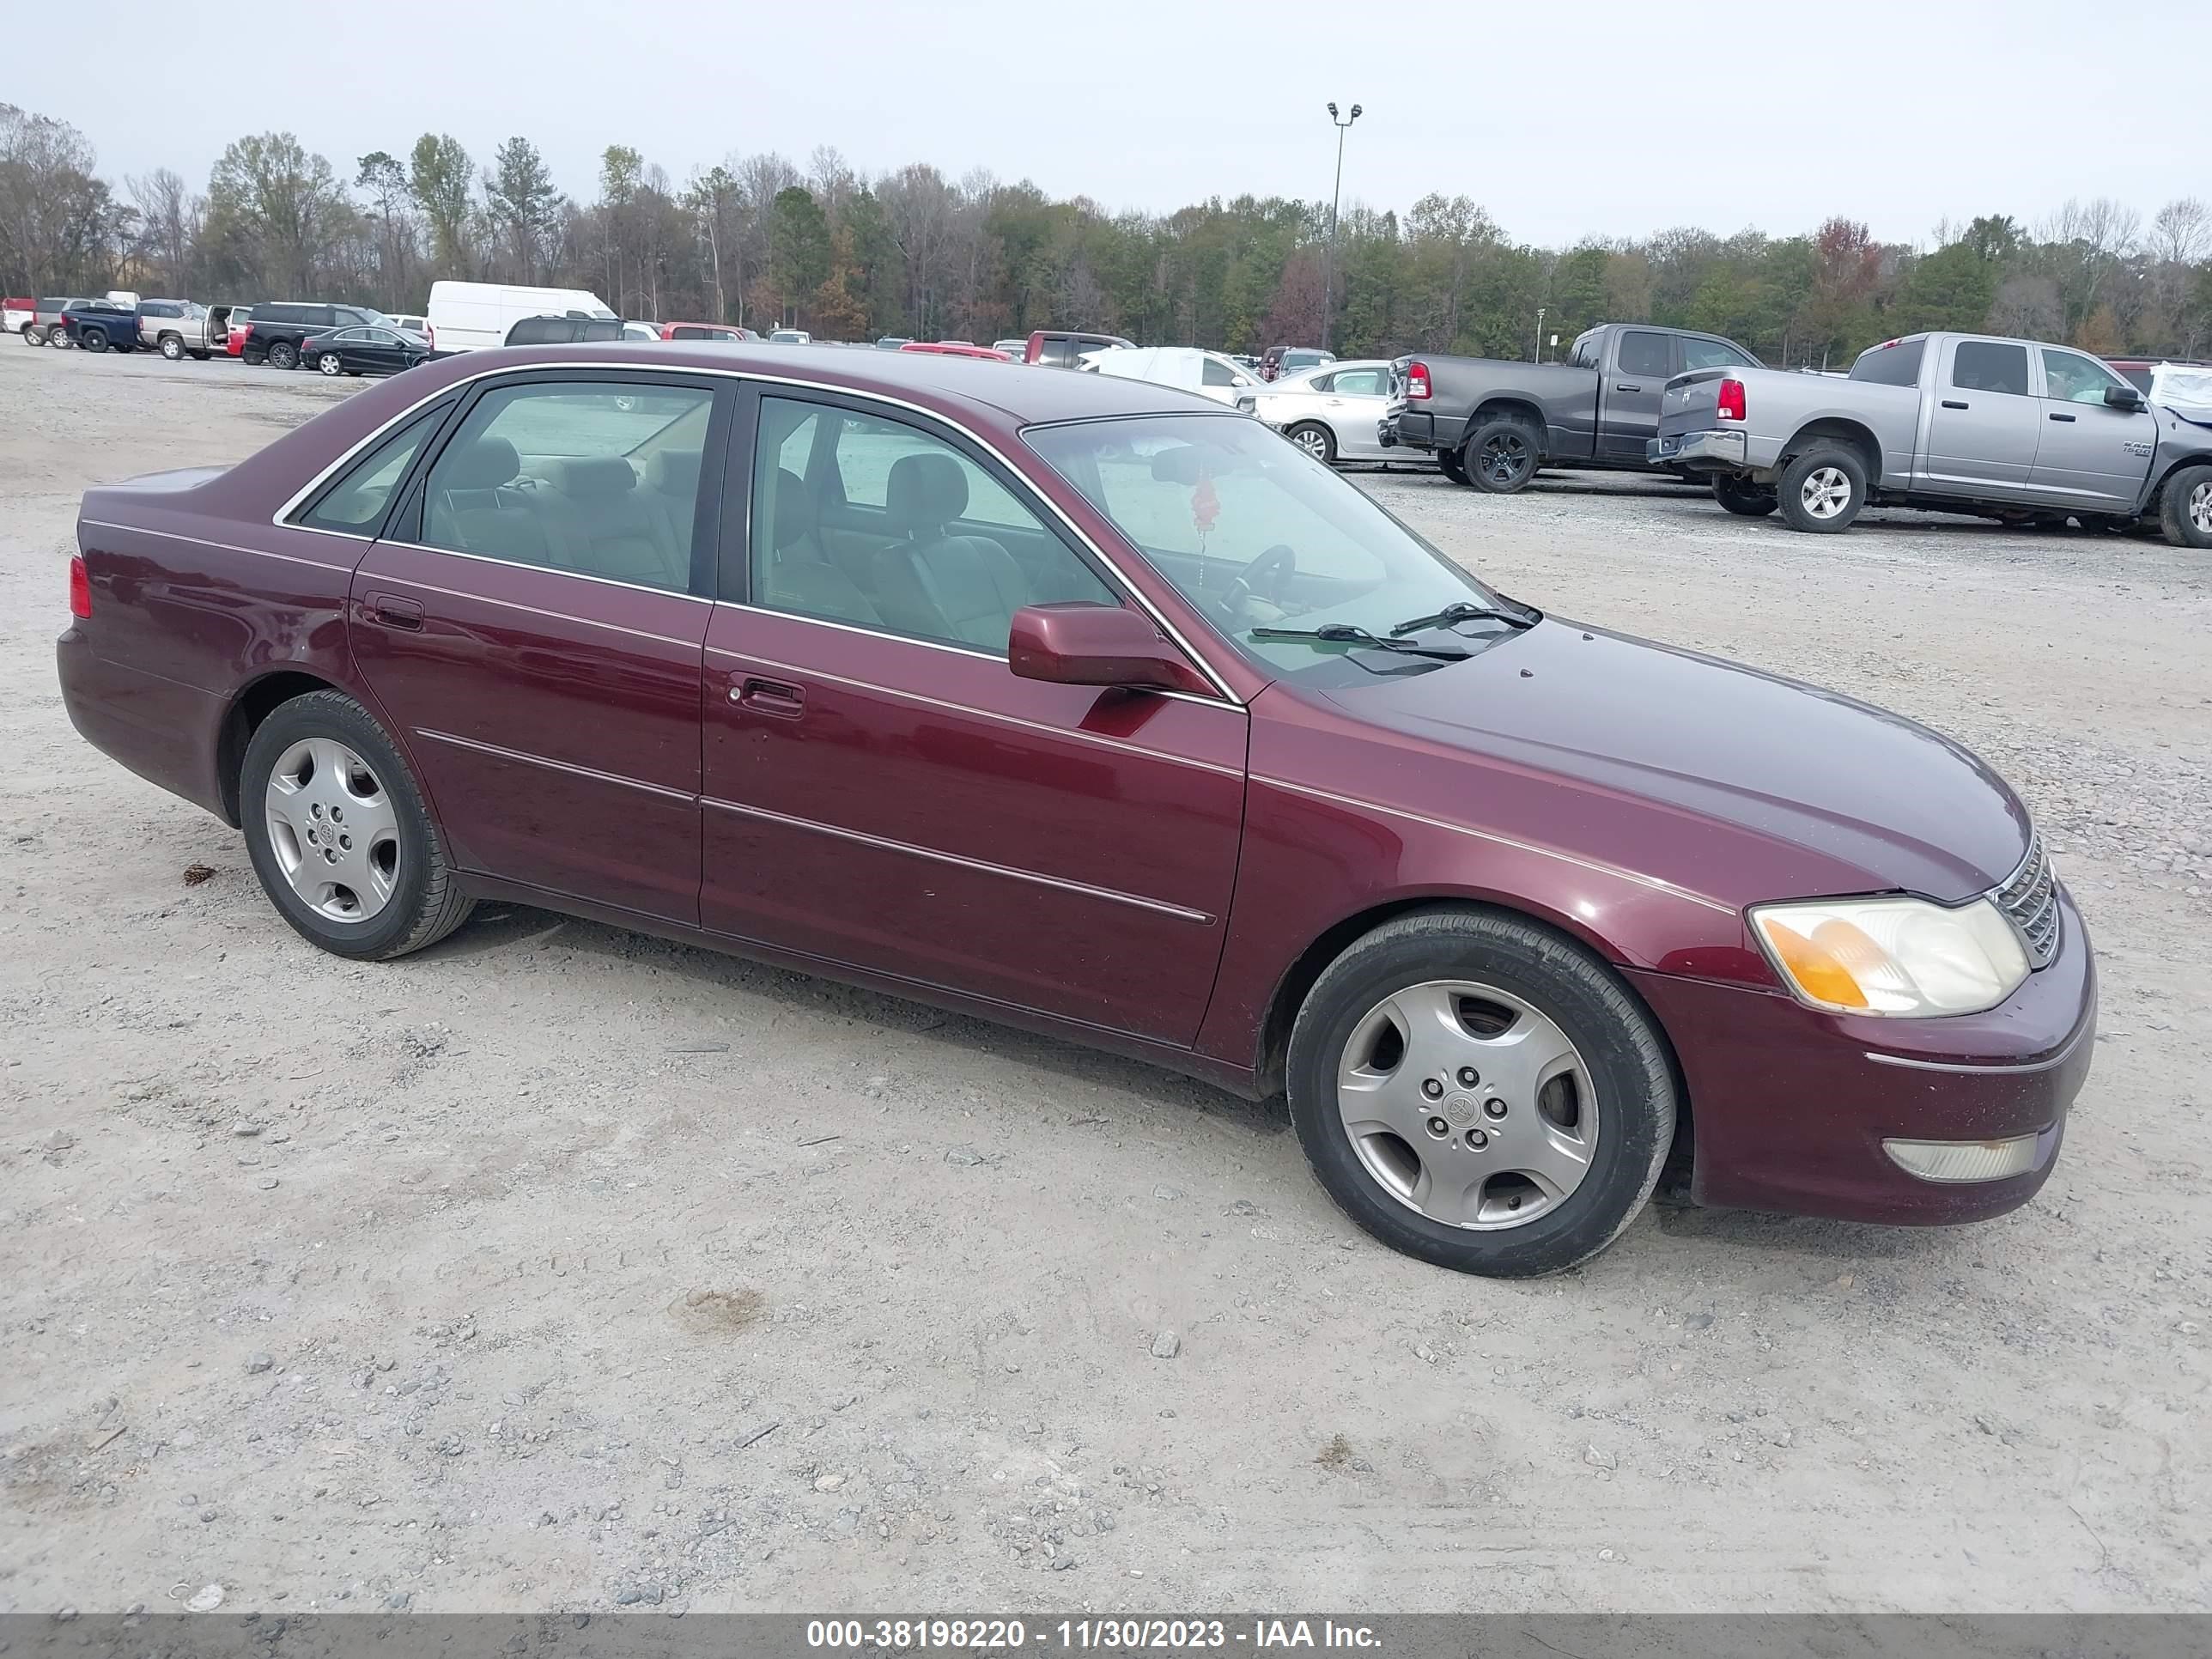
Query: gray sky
column 1598, row 119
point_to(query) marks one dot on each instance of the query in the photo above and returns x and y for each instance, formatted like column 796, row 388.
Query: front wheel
column 330, row 363
column 1475, row 1090
column 1743, row 498
column 1501, row 456
column 339, row 835
column 2185, row 509
column 1823, row 490
column 33, row 335
column 282, row 354
column 1318, row 440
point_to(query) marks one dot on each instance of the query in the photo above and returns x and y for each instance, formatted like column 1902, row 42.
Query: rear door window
column 1356, row 382
column 1645, row 354
column 1990, row 366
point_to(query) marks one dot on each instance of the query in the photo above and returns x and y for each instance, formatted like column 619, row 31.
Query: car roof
column 955, row 386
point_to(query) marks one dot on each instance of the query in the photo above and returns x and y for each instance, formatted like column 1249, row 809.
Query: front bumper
column 1790, row 1105
column 1722, row 450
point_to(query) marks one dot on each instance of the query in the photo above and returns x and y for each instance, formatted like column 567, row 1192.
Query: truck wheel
column 33, row 335
column 92, row 339
column 1448, row 462
column 2187, row 514
column 1823, row 490
column 1744, row 498
column 282, row 354
column 1500, row 458
column 1314, row 438
column 172, row 349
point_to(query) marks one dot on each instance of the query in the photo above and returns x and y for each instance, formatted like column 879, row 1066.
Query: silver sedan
column 1332, row 412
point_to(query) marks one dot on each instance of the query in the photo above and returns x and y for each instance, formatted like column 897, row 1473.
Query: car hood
column 1857, row 799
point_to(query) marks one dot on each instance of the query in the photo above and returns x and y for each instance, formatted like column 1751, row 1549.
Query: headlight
column 1900, row 957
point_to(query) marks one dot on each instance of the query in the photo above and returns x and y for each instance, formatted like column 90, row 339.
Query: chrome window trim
column 539, row 609
column 549, row 569
column 346, row 458
column 573, row 770
column 1011, row 872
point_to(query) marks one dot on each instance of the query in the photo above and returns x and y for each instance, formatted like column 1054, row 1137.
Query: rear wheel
column 1479, row 1092
column 331, row 363
column 338, row 833
column 1745, row 499
column 1316, row 440
column 1500, row 457
column 2185, row 512
column 173, row 348
column 1823, row 490
column 282, row 354
column 92, row 339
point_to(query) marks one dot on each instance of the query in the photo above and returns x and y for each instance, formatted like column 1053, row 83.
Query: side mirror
column 1086, row 644
column 2122, row 397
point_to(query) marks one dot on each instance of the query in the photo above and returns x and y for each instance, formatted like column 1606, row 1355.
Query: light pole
column 1328, row 259
column 1540, row 334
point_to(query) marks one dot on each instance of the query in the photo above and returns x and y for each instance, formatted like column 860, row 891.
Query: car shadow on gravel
column 503, row 927
column 1843, row 1244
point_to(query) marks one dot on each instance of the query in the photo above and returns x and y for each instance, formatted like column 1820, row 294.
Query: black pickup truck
column 1491, row 423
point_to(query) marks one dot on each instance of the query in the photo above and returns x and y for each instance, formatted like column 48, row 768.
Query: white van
column 1208, row 373
column 475, row 316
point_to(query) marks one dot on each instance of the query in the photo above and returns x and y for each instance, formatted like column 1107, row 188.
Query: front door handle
column 395, row 613
column 1949, row 402
column 775, row 697
column 1628, row 388
column 2056, row 415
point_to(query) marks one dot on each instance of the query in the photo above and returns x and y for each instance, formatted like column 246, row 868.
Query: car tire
column 1500, row 457
column 1480, row 971
column 282, row 354
column 1448, row 462
column 1745, row 499
column 92, row 339
column 33, row 335
column 405, row 894
column 331, row 363
column 1316, row 440
column 2186, row 508
column 172, row 349
column 1823, row 490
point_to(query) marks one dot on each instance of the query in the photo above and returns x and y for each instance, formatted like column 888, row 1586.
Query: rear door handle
column 1628, row 388
column 1952, row 404
column 2056, row 415
column 395, row 613
column 775, row 697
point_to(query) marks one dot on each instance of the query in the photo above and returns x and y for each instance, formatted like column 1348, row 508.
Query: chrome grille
column 2029, row 899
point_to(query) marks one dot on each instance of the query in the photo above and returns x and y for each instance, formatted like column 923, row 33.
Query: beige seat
column 622, row 531
column 937, row 585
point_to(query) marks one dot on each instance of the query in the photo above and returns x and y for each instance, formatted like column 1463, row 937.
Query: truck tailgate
column 1689, row 402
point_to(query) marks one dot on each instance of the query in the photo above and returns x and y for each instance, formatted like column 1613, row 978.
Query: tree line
column 762, row 240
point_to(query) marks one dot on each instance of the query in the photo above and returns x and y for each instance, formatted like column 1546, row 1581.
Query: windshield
column 1257, row 534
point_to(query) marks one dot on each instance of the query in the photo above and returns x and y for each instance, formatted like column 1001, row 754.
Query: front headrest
column 585, row 477
column 484, row 465
column 793, row 521
column 674, row 472
column 925, row 493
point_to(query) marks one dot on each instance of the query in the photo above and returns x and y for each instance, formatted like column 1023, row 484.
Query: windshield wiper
column 1460, row 611
column 1349, row 634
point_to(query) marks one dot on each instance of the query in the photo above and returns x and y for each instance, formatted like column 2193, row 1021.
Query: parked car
column 45, row 327
column 1061, row 347
column 728, row 333
column 181, row 328
column 646, row 333
column 1278, row 361
column 562, row 330
column 412, row 325
column 2137, row 371
column 1208, row 373
column 101, row 325
column 234, row 331
column 275, row 330
column 1966, row 422
column 1016, row 349
column 1333, row 412
column 364, row 349
column 891, row 342
column 16, row 314
column 1493, row 423
column 957, row 349
column 1169, row 741
column 790, row 336
column 475, row 316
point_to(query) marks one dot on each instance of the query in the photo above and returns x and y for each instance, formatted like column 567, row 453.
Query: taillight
column 80, row 589
column 1416, row 381
column 1730, row 406
column 429, row 337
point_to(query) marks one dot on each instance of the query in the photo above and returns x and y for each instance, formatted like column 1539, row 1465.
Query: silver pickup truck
column 2011, row 429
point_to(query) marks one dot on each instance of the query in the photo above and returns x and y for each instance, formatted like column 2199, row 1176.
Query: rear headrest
column 674, row 472
column 925, row 493
column 792, row 520
column 484, row 465
column 587, row 476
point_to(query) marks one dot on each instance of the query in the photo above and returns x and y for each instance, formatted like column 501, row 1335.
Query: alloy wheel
column 1505, row 457
column 1826, row 492
column 333, row 829
column 1313, row 440
column 2200, row 508
column 330, row 363
column 1467, row 1104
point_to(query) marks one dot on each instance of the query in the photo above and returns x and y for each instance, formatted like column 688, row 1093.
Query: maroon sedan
column 1082, row 704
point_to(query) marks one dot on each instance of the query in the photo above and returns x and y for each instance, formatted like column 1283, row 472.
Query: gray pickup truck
column 2011, row 429
column 1491, row 423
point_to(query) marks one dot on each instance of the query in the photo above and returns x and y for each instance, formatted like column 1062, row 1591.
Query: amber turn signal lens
column 1813, row 965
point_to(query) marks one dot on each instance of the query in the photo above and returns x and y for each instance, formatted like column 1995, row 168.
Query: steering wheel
column 1273, row 568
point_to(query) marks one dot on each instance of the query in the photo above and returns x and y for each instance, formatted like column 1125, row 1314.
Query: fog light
column 1964, row 1160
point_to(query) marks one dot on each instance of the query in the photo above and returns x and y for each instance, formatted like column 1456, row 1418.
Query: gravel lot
column 526, row 1274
